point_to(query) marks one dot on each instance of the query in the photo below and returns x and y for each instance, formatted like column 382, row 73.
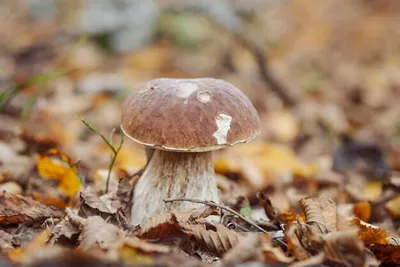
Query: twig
column 212, row 204
column 269, row 79
column 114, row 150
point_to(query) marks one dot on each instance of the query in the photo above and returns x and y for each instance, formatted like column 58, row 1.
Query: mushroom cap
column 189, row 115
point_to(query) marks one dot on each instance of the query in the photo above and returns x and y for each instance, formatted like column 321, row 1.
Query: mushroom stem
column 173, row 175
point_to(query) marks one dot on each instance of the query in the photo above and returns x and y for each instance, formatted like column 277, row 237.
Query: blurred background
column 319, row 72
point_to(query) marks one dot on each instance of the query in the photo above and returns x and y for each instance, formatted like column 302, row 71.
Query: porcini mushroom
column 184, row 120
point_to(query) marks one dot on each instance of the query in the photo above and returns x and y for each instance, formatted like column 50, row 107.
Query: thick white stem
column 173, row 175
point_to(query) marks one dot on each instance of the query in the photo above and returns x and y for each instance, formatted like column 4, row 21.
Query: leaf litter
column 320, row 186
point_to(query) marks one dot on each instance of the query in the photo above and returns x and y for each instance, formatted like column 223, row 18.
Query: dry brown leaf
column 95, row 232
column 294, row 247
column 125, row 195
column 18, row 209
column 271, row 253
column 249, row 248
column 64, row 230
column 320, row 213
column 344, row 248
column 92, row 205
column 213, row 236
column 271, row 212
column 162, row 226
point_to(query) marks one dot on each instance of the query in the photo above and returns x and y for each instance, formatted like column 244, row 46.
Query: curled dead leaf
column 344, row 248
column 320, row 213
column 214, row 237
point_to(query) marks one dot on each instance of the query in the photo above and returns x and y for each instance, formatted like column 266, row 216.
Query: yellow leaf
column 269, row 159
column 58, row 166
column 283, row 126
column 372, row 190
column 393, row 207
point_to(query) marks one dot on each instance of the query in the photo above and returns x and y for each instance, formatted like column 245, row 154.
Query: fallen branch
column 268, row 78
column 109, row 143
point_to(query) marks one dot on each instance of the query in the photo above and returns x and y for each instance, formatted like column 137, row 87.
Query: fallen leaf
column 294, row 246
column 271, row 253
column 393, row 206
column 91, row 205
column 64, row 232
column 214, row 237
column 362, row 210
column 162, row 226
column 96, row 232
column 249, row 248
column 372, row 190
column 370, row 234
column 271, row 212
column 56, row 165
column 345, row 249
column 125, row 195
column 320, row 213
column 388, row 254
column 260, row 164
column 18, row 209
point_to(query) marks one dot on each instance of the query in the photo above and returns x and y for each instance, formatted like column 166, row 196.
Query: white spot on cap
column 184, row 90
column 204, row 97
column 223, row 126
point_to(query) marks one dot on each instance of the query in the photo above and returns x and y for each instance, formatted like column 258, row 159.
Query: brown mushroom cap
column 189, row 115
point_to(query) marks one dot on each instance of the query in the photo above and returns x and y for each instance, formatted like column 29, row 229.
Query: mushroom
column 184, row 120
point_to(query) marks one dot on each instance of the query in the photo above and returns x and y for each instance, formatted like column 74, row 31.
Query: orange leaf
column 362, row 210
column 371, row 234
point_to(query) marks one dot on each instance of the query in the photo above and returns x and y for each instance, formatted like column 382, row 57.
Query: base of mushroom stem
column 174, row 175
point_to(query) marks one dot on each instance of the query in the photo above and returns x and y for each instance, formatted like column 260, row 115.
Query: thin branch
column 268, row 78
column 98, row 133
column 212, row 204
column 114, row 150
